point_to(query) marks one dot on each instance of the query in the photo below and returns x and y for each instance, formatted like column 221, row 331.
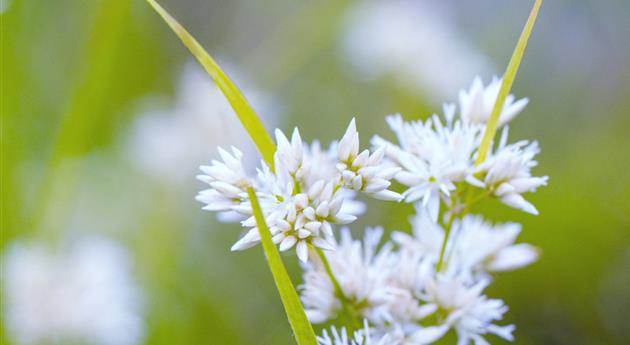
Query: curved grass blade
column 244, row 111
column 300, row 325
column 506, row 85
column 302, row 329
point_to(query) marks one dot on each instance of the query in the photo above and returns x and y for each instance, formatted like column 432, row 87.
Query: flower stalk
column 447, row 233
column 352, row 322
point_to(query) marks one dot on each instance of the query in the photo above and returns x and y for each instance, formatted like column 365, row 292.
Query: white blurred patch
column 412, row 41
column 4, row 5
column 84, row 293
column 171, row 143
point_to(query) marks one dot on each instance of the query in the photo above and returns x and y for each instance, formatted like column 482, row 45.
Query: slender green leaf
column 302, row 328
column 506, row 85
column 243, row 110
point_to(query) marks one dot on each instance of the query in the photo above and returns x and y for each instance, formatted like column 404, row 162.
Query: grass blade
column 300, row 325
column 302, row 329
column 506, row 85
column 244, row 111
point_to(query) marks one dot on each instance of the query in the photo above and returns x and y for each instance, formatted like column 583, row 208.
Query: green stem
column 470, row 201
column 473, row 201
column 329, row 271
column 353, row 323
column 447, row 233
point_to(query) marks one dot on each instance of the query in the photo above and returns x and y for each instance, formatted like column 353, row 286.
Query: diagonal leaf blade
column 302, row 329
column 244, row 111
column 506, row 85
column 300, row 325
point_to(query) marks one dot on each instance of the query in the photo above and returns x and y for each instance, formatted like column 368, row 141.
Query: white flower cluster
column 437, row 158
column 85, row 295
column 308, row 191
column 415, row 288
column 400, row 291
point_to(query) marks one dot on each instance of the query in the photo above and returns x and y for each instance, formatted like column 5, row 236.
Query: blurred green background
column 76, row 73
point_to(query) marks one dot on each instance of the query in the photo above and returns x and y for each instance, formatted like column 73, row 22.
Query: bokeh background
column 105, row 119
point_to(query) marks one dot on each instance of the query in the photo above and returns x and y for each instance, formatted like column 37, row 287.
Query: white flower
column 362, row 272
column 290, row 155
column 433, row 156
column 476, row 104
column 508, row 173
column 228, row 181
column 360, row 337
column 399, row 291
column 404, row 316
column 413, row 333
column 480, row 246
column 309, row 191
column 426, row 238
column 475, row 246
column 86, row 294
column 169, row 142
column 464, row 308
column 414, row 42
column 322, row 161
column 363, row 171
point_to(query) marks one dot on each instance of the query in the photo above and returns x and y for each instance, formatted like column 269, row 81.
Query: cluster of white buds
column 363, row 172
column 307, row 192
column 415, row 288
